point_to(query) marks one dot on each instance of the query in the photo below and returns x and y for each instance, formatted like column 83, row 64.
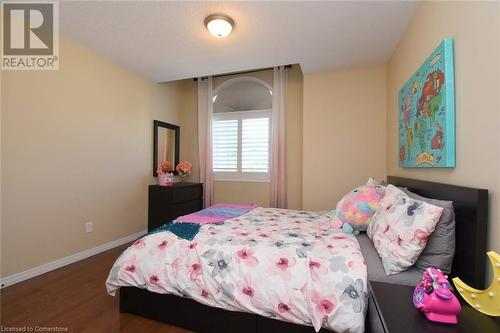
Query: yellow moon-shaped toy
column 486, row 301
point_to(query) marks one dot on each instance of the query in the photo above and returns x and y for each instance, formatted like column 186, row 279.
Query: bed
column 185, row 307
column 278, row 263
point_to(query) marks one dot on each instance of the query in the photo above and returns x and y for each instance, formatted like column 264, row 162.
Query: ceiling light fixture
column 219, row 25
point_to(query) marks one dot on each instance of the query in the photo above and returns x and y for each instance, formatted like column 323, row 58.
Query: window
column 241, row 130
column 241, row 145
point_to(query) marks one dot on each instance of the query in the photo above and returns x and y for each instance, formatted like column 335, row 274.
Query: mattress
column 282, row 264
column 376, row 271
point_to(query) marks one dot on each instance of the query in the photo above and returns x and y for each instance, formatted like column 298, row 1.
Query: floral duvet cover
column 283, row 264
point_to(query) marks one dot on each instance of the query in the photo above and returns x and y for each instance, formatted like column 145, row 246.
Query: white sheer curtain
column 278, row 151
column 205, row 113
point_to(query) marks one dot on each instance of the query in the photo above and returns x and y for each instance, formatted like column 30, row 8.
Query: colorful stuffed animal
column 354, row 212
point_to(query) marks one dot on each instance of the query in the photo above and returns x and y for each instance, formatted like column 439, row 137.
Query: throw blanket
column 183, row 230
column 216, row 214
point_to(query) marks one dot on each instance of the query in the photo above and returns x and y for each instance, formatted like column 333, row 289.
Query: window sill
column 242, row 180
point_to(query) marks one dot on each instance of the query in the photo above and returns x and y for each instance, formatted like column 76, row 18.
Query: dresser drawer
column 187, row 193
column 187, row 207
column 166, row 203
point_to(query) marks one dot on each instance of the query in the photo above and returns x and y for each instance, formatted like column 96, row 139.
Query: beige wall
column 1, row 172
column 189, row 127
column 476, row 32
column 344, row 133
column 254, row 192
column 76, row 147
column 242, row 192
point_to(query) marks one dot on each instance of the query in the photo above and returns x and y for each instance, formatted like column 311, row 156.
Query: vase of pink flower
column 184, row 169
column 165, row 175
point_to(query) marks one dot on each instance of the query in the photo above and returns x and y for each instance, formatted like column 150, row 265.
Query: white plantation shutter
column 255, row 145
column 225, row 145
column 241, row 145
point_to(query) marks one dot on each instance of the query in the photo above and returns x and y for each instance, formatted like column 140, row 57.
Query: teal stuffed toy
column 346, row 227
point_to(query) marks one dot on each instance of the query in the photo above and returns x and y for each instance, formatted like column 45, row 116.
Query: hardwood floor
column 74, row 299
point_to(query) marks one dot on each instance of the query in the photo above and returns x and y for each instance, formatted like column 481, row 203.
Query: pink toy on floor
column 434, row 298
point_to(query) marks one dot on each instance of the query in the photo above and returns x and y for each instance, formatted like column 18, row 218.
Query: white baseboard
column 30, row 273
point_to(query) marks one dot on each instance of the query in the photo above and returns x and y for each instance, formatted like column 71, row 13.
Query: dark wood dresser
column 166, row 203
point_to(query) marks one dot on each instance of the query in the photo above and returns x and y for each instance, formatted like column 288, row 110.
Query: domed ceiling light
column 219, row 25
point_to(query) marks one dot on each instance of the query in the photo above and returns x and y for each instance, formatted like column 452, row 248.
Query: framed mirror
column 166, row 139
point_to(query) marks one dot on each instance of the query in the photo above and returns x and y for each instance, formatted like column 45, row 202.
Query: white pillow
column 400, row 227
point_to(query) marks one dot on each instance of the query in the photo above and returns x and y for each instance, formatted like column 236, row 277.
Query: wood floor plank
column 74, row 297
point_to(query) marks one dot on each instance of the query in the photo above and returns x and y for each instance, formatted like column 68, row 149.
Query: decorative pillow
column 355, row 210
column 400, row 228
column 440, row 248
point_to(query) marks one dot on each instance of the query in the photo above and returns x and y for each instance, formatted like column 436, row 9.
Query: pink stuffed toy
column 355, row 210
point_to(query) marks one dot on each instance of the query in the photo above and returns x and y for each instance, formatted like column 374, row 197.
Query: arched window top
column 243, row 93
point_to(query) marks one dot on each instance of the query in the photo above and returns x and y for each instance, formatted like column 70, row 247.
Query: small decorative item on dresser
column 165, row 175
column 184, row 169
column 485, row 301
column 434, row 298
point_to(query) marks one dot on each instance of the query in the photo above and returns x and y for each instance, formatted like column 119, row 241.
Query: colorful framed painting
column 426, row 125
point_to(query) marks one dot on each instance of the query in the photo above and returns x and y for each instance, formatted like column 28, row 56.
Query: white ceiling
column 166, row 41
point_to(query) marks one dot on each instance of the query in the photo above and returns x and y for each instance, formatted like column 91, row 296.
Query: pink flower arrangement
column 164, row 167
column 184, row 168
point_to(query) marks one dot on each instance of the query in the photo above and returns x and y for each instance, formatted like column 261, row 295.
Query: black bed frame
column 471, row 210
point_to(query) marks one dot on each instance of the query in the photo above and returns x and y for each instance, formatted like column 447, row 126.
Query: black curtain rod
column 241, row 72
